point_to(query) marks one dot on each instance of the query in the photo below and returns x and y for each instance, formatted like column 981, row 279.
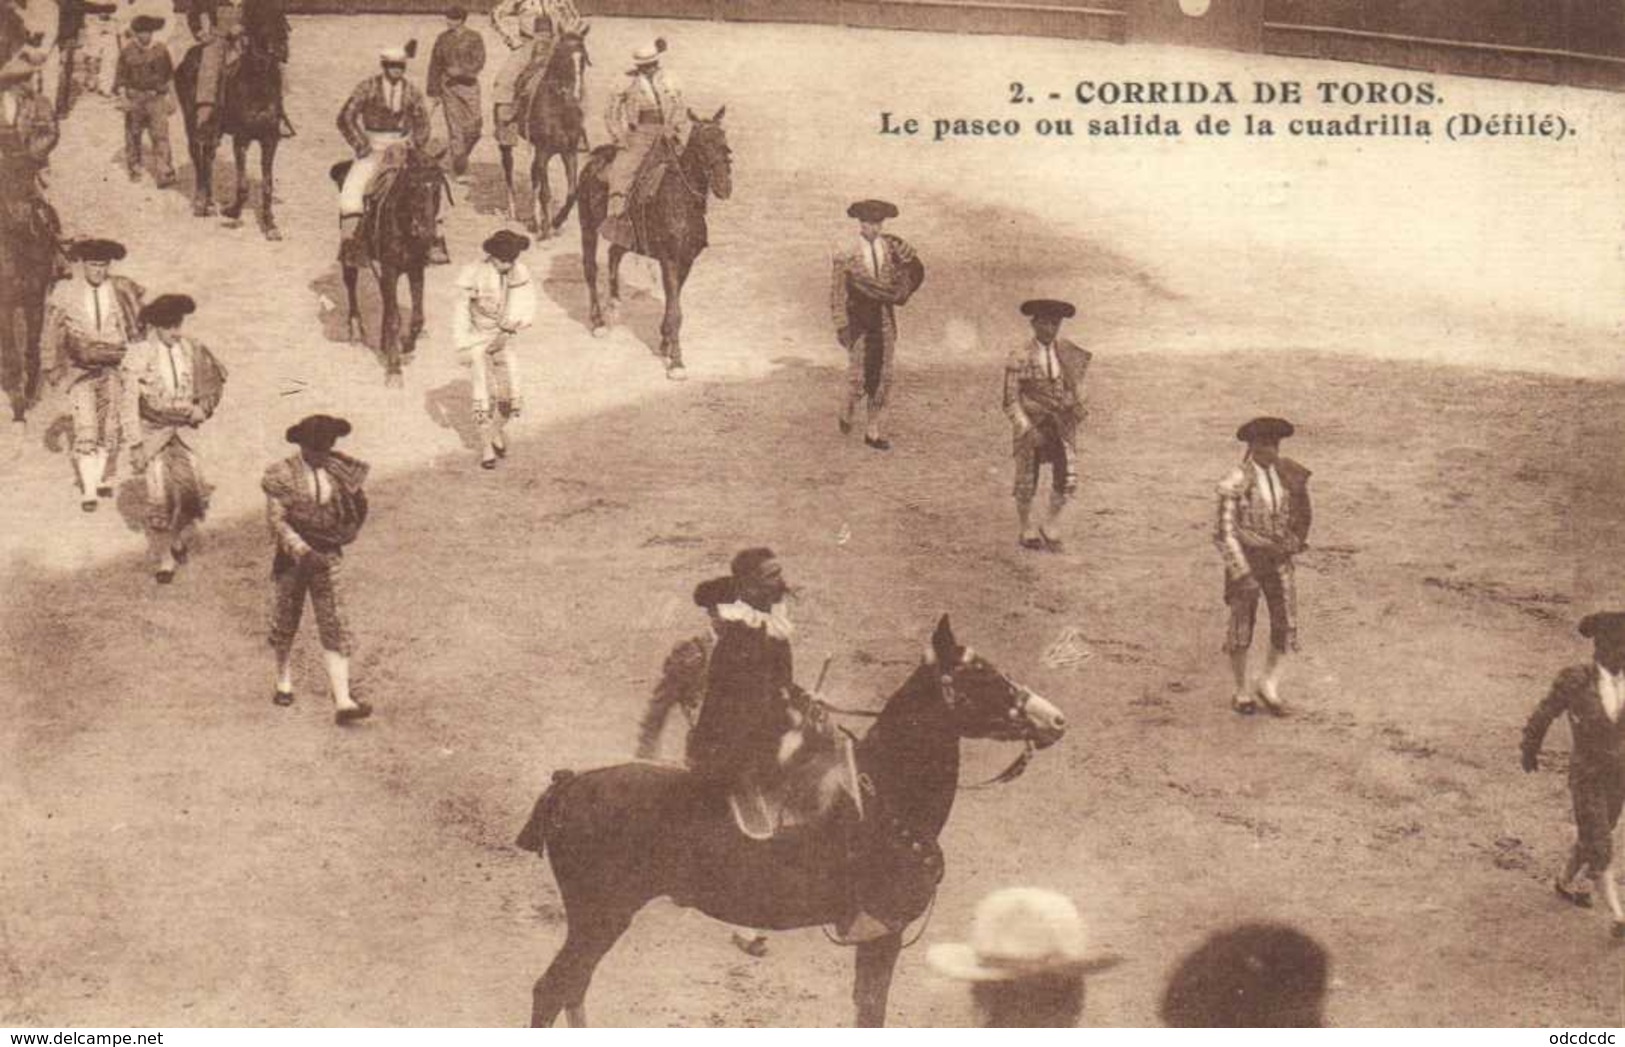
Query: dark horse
column 29, row 259
column 550, row 120
column 671, row 225
column 250, row 111
column 622, row 836
column 396, row 234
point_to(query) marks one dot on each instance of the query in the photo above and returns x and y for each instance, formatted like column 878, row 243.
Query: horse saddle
column 817, row 776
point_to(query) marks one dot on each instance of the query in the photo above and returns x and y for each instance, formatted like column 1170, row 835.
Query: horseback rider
column 647, row 110
column 529, row 28
column 28, row 134
column 683, row 674
column 384, row 115
column 749, row 684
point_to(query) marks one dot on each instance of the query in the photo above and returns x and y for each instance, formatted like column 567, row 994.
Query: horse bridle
column 945, row 683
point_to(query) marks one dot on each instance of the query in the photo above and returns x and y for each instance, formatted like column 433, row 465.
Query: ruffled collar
column 776, row 622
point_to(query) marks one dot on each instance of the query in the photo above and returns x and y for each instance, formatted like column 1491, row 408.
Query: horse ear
column 696, row 117
column 944, row 645
column 585, row 29
column 718, row 118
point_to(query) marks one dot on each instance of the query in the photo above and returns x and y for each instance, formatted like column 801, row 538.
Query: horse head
column 985, row 703
column 417, row 197
column 708, row 146
column 567, row 68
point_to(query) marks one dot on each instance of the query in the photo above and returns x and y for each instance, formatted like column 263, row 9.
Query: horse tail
column 533, row 837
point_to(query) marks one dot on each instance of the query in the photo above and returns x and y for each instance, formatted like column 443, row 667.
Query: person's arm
column 434, row 80
column 130, row 407
column 838, row 301
column 1568, row 683
column 521, row 310
column 349, row 121
column 1014, row 364
column 287, row 539
column 1226, row 533
column 418, row 118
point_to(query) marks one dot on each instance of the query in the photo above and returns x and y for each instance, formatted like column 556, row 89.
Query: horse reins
column 945, row 681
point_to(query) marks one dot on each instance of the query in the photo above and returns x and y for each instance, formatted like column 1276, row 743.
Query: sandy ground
column 1439, row 318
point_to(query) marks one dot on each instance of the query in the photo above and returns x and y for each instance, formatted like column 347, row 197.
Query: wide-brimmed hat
column 398, row 55
column 317, row 431
column 1265, row 429
column 167, row 310
column 714, row 592
column 1048, row 309
column 1603, row 623
column 97, row 250
column 146, row 24
column 650, row 53
column 456, row 14
column 1020, row 932
column 872, row 210
column 506, row 245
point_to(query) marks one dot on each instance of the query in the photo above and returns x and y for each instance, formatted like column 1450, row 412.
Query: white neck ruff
column 776, row 622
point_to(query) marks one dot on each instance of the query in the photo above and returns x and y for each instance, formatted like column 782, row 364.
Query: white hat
column 1019, row 932
column 398, row 55
column 650, row 53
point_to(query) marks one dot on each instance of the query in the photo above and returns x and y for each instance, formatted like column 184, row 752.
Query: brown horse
column 671, row 225
column 250, row 112
column 397, row 232
column 550, row 119
column 622, row 836
column 30, row 257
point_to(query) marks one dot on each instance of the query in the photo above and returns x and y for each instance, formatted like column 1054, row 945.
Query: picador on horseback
column 529, row 28
column 384, row 117
column 30, row 255
column 647, row 113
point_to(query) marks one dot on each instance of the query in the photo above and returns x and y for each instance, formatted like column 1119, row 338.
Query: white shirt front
column 1611, row 689
column 321, row 485
column 10, row 103
column 101, row 309
column 392, row 94
column 1269, row 482
column 873, row 256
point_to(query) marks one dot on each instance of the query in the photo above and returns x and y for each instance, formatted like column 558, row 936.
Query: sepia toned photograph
column 812, row 513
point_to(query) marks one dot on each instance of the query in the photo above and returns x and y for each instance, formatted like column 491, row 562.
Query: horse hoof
column 273, row 233
column 394, row 380
column 232, row 223
column 600, row 331
column 676, row 373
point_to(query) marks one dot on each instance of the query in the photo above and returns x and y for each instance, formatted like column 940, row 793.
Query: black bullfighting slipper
column 1619, row 928
column 282, row 698
column 1273, row 705
column 361, row 711
column 88, row 505
column 844, row 425
column 1582, row 899
column 1243, row 705
column 164, row 577
column 1035, row 544
column 104, row 491
column 488, row 463
column 879, row 443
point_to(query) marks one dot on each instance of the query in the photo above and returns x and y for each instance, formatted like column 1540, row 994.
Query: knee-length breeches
column 323, row 581
column 1599, row 795
column 1276, row 584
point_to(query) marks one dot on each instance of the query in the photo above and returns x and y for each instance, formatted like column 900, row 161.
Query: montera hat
column 95, row 250
column 1020, row 932
column 317, row 431
column 505, row 245
column 1604, row 623
column 1048, row 309
column 167, row 310
column 146, row 24
column 872, row 210
column 649, row 54
column 1265, row 429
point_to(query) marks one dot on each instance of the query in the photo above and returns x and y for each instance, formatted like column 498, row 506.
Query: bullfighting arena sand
column 1439, row 318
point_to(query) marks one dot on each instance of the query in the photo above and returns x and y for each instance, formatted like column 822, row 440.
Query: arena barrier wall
column 1575, row 42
